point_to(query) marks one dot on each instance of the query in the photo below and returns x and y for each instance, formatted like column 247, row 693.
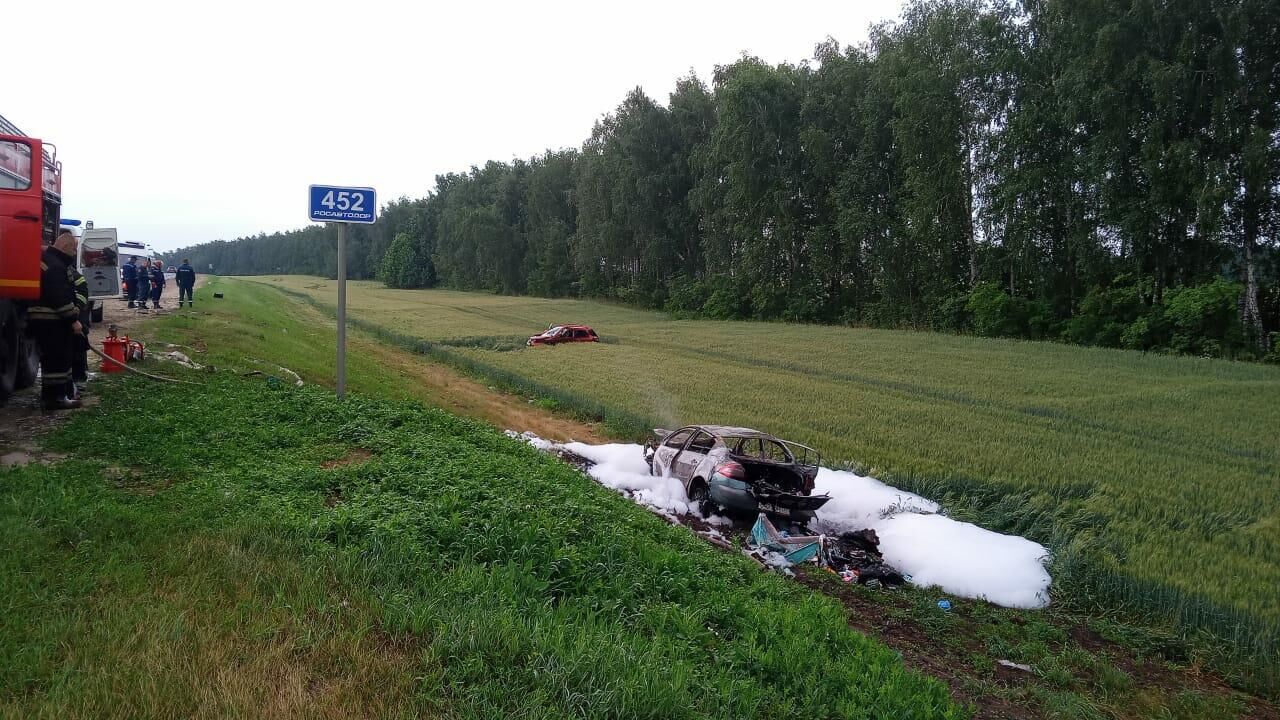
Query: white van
column 100, row 264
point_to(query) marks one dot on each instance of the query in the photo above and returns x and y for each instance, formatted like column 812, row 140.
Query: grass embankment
column 259, row 550
column 1154, row 478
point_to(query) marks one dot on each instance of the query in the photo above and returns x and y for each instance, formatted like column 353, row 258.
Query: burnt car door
column 665, row 456
column 694, row 453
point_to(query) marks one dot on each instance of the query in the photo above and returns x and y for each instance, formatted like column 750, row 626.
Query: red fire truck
column 30, row 200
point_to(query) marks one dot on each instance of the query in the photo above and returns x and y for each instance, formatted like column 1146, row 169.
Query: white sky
column 185, row 122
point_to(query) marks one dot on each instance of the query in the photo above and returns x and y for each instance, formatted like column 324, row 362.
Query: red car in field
column 557, row 334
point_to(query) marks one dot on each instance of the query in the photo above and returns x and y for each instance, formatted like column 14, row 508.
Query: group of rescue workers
column 141, row 283
column 59, row 321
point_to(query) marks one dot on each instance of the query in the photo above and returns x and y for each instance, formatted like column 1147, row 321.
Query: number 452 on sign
column 343, row 204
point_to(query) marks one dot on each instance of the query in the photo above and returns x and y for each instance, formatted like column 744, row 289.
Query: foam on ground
column 961, row 558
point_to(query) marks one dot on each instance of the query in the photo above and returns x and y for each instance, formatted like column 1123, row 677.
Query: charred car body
column 558, row 334
column 738, row 469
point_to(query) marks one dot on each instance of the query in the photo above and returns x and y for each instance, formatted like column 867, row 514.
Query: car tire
column 28, row 363
column 700, row 497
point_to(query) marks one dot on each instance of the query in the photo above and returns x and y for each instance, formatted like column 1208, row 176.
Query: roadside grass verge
column 1153, row 478
column 234, row 563
column 122, row 598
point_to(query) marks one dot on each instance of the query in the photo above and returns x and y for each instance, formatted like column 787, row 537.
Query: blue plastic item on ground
column 795, row 549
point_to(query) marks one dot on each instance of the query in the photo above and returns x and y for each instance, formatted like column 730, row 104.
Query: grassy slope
column 1164, row 468
column 224, row 570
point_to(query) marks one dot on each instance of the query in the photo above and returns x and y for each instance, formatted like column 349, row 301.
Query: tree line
column 1102, row 172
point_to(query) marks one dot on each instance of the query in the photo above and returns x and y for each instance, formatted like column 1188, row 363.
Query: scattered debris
column 197, row 346
column 854, row 556
column 793, row 549
column 289, row 374
column 858, row 553
column 116, row 363
column 297, row 379
column 1015, row 666
column 716, row 539
column 180, row 358
column 945, row 605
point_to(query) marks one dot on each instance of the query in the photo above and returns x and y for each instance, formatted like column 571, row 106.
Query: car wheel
column 700, row 498
column 28, row 363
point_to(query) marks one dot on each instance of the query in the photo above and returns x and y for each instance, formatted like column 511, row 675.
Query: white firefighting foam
column 961, row 558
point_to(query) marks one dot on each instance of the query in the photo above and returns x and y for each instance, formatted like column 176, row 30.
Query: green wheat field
column 1155, row 479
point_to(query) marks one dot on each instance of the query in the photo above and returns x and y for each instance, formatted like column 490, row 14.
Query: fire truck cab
column 30, row 202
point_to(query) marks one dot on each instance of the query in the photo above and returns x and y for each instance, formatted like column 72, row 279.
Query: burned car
column 557, row 334
column 738, row 469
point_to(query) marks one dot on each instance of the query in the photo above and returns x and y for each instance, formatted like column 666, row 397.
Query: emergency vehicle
column 30, row 203
column 99, row 261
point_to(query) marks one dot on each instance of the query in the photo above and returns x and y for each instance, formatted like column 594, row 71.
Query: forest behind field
column 1101, row 173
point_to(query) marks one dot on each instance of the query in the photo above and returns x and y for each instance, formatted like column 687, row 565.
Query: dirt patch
column 949, row 657
column 1153, row 675
column 128, row 320
column 22, row 423
column 449, row 390
column 924, row 651
column 354, row 456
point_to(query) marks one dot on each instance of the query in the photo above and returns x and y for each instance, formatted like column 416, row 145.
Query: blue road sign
column 343, row 204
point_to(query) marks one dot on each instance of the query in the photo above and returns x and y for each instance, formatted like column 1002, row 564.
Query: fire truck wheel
column 28, row 363
column 10, row 347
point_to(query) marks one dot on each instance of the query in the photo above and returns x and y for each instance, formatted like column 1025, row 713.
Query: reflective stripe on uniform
column 40, row 312
column 82, row 292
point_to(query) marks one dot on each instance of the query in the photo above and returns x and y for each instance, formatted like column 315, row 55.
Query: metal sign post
column 342, row 310
column 340, row 206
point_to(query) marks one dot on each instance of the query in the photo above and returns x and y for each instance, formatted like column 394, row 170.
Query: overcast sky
column 185, row 122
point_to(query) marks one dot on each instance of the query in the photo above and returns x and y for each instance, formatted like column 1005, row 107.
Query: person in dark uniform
column 143, row 282
column 129, row 276
column 53, row 321
column 157, row 283
column 186, row 279
column 79, row 343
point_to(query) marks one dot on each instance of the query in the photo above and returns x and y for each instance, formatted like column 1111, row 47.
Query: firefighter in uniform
column 129, row 276
column 143, row 283
column 186, row 279
column 157, row 283
column 54, row 321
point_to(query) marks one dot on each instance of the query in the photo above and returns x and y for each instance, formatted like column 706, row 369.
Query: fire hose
column 114, row 361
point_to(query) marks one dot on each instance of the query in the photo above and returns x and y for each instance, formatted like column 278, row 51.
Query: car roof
column 730, row 431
